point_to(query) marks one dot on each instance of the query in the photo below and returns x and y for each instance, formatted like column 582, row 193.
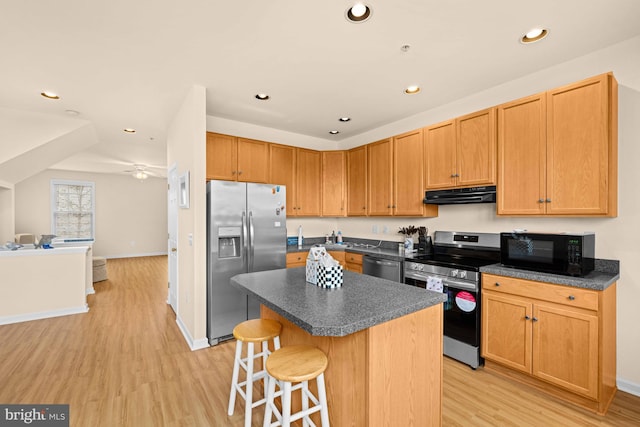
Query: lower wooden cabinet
column 338, row 256
column 353, row 262
column 296, row 259
column 559, row 339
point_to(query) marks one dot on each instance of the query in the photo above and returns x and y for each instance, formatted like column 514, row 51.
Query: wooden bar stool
column 296, row 364
column 252, row 332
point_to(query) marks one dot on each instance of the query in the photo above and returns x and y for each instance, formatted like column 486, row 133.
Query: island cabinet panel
column 357, row 181
column 559, row 339
column 374, row 378
column 558, row 151
column 282, row 162
column 334, row 181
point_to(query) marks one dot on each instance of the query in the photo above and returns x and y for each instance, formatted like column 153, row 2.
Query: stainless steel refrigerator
column 246, row 232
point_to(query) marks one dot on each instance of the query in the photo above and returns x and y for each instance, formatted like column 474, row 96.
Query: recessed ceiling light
column 410, row 90
column 129, row 130
column 262, row 96
column 344, row 119
column 534, row 35
column 357, row 13
column 334, row 132
column 50, row 95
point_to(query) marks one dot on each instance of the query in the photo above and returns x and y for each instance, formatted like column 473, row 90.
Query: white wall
column 186, row 148
column 7, row 212
column 131, row 215
column 616, row 238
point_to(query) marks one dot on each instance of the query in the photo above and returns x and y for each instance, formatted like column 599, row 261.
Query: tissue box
column 330, row 277
column 313, row 264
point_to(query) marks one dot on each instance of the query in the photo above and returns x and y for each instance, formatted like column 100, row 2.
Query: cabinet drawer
column 567, row 295
column 353, row 258
column 296, row 259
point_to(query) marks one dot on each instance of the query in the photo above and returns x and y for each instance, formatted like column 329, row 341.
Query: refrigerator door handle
column 244, row 234
column 251, row 241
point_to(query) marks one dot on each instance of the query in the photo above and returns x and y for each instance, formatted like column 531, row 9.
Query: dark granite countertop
column 380, row 252
column 362, row 301
column 605, row 274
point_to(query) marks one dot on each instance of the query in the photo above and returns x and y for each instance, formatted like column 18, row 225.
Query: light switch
column 190, row 238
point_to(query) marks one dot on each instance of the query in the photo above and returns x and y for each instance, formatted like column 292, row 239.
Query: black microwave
column 570, row 254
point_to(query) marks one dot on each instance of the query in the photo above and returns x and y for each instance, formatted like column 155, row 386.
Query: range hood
column 459, row 196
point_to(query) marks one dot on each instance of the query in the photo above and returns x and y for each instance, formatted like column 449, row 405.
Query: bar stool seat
column 251, row 332
column 296, row 364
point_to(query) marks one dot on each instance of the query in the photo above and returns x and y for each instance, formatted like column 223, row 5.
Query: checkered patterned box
column 313, row 263
column 330, row 277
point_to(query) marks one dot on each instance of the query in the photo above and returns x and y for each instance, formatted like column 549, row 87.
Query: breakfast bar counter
column 383, row 340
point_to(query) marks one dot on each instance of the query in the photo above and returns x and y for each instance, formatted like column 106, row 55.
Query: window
column 73, row 209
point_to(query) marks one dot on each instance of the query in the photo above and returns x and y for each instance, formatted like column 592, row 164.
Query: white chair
column 251, row 332
column 296, row 364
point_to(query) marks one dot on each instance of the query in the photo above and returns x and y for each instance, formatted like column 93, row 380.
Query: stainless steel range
column 454, row 268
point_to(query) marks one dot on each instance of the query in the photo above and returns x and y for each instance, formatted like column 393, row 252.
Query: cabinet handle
column 364, row 207
column 388, row 206
column 535, row 319
column 526, row 317
column 453, row 175
column 497, row 284
column 233, row 172
column 540, row 200
column 394, row 206
column 571, row 297
column 548, row 200
column 239, row 172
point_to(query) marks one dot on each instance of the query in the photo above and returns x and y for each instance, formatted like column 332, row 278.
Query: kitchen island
column 383, row 340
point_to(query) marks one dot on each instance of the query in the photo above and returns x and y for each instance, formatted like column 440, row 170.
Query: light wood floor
column 125, row 363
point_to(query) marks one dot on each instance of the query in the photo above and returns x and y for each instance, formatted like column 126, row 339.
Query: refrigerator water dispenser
column 229, row 242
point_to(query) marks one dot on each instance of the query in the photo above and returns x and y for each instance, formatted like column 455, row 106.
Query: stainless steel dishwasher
column 384, row 268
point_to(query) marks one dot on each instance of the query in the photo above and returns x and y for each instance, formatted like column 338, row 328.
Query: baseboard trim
column 7, row 320
column 136, row 255
column 193, row 344
column 628, row 387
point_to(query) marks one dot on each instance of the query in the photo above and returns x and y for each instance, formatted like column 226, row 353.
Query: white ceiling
column 130, row 63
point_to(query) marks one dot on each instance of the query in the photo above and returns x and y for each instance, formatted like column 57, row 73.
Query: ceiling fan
column 139, row 172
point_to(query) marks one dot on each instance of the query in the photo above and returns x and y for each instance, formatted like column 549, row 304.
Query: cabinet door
column 253, row 160
column 506, row 330
column 282, row 170
column 221, row 156
column 440, row 156
column 380, row 173
column 408, row 182
column 565, row 348
column 578, row 148
column 521, row 157
column 308, row 188
column 476, row 148
column 357, row 181
column 334, row 182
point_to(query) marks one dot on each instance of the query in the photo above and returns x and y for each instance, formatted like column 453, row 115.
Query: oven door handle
column 446, row 281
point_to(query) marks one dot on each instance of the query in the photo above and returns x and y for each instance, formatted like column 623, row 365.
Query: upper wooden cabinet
column 334, row 182
column 308, row 183
column 237, row 159
column 462, row 152
column 396, row 177
column 408, row 176
column 282, row 166
column 557, row 151
column 357, row 181
column 300, row 171
column 380, row 178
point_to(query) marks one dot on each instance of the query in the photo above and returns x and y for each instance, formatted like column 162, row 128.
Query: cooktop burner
column 462, row 250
